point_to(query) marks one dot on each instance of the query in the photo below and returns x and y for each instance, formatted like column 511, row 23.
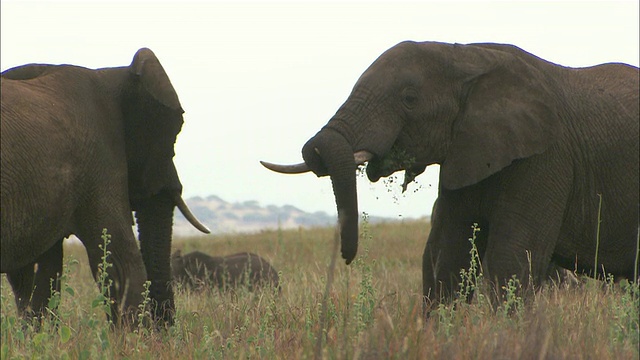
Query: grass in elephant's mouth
column 372, row 311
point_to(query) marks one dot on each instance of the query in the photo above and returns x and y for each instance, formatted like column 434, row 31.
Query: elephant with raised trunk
column 526, row 148
column 81, row 150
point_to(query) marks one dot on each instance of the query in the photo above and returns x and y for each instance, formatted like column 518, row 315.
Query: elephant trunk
column 329, row 153
column 155, row 220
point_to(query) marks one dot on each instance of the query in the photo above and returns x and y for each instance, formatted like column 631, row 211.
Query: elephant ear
column 508, row 114
column 154, row 79
column 153, row 119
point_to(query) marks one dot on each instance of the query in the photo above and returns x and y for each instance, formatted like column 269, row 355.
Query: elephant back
column 238, row 266
column 198, row 270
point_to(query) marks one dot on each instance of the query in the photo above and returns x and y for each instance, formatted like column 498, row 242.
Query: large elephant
column 81, row 149
column 526, row 149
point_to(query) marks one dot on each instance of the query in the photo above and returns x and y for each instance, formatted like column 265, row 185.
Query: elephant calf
column 197, row 269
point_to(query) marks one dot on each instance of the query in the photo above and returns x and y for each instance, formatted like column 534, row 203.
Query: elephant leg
column 521, row 243
column 448, row 248
column 447, row 252
column 513, row 251
column 22, row 283
column 126, row 270
column 33, row 284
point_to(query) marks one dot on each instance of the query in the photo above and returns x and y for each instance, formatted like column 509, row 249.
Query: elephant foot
column 163, row 315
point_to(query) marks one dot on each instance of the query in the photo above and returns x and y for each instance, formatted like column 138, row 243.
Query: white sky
column 257, row 79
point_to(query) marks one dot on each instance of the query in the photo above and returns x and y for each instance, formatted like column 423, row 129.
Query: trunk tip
column 348, row 255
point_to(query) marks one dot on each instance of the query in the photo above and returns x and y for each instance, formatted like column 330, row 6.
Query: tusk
column 287, row 169
column 184, row 209
column 359, row 158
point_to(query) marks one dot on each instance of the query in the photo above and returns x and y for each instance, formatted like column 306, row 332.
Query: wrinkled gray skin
column 554, row 273
column 197, row 269
column 81, row 149
column 525, row 147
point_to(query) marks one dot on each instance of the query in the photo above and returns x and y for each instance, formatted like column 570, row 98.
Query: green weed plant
column 373, row 309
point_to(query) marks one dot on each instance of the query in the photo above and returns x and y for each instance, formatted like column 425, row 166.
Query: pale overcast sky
column 257, row 79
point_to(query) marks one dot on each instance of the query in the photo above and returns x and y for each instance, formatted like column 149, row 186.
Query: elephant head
column 461, row 106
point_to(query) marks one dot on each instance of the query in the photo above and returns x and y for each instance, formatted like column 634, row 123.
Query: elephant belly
column 614, row 244
column 17, row 254
column 29, row 229
column 38, row 188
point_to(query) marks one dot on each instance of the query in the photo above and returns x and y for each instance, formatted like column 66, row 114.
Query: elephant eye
column 410, row 98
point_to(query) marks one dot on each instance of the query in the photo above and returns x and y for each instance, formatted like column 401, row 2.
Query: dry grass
column 372, row 311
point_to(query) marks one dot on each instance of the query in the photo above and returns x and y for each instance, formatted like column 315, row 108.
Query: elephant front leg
column 124, row 268
column 34, row 283
column 445, row 254
column 518, row 257
column 520, row 245
column 526, row 216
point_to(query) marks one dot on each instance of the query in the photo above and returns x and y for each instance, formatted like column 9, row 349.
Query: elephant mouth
column 381, row 167
column 396, row 159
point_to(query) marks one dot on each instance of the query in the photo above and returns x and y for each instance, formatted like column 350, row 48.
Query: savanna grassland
column 372, row 310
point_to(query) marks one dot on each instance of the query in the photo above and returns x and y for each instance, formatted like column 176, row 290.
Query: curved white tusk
column 287, row 169
column 359, row 158
column 184, row 209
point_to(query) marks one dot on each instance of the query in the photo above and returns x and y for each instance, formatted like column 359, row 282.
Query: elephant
column 544, row 158
column 197, row 269
column 81, row 150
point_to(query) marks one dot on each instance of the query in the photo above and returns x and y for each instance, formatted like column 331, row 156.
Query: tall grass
column 372, row 310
